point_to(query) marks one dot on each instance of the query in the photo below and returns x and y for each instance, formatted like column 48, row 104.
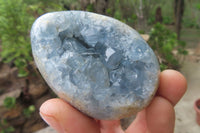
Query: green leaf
column 9, row 129
column 9, row 102
column 164, row 41
column 90, row 8
column 163, row 67
column 109, row 11
column 22, row 73
column 31, row 108
column 118, row 15
column 28, row 111
column 198, row 6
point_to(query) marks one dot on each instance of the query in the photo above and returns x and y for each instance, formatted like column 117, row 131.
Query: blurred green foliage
column 167, row 20
column 198, row 6
column 151, row 20
column 29, row 111
column 190, row 23
column 164, row 42
column 90, row 8
column 9, row 102
column 39, row 7
column 191, row 17
column 17, row 16
column 5, row 128
column 15, row 23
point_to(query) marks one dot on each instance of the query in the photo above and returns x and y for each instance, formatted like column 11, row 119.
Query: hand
column 158, row 117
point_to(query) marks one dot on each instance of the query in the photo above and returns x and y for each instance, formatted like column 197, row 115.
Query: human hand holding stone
column 158, row 117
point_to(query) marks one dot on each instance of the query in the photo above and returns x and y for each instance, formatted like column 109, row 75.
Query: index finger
column 172, row 86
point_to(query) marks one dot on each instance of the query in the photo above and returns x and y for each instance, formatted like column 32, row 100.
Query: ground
column 185, row 113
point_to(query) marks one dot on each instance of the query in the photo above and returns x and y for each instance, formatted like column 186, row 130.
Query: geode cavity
column 96, row 63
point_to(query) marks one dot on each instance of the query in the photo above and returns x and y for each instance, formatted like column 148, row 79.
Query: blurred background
column 171, row 28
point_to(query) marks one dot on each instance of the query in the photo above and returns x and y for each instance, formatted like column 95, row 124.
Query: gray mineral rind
column 96, row 63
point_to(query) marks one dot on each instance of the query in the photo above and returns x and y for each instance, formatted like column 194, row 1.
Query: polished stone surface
column 99, row 65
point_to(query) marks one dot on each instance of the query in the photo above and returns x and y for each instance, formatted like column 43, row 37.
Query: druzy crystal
column 96, row 63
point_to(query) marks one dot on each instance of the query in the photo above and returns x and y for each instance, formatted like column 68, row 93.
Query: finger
column 172, row 85
column 139, row 124
column 66, row 119
column 160, row 116
column 110, row 126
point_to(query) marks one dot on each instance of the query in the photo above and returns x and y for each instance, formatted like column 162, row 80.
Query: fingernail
column 51, row 121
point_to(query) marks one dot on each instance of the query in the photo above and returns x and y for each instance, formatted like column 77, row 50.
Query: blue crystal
column 96, row 63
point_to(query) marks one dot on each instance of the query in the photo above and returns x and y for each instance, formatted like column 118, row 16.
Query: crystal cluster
column 96, row 63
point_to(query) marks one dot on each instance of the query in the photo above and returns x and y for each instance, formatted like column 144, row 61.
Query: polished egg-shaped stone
column 98, row 64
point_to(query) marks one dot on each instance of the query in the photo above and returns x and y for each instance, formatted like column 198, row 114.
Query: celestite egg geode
column 96, row 63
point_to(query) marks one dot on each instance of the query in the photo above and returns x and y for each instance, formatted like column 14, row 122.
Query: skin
column 158, row 117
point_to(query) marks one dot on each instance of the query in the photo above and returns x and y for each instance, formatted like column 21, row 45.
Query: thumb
column 66, row 119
